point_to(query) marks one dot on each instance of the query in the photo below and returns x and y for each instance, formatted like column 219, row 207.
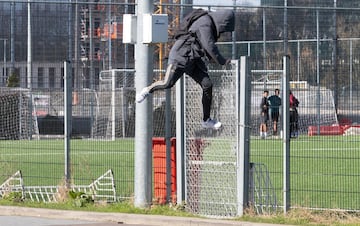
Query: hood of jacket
column 224, row 20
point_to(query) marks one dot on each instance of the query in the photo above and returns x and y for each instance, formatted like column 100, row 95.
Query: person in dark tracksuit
column 275, row 103
column 189, row 55
column 294, row 116
column 264, row 114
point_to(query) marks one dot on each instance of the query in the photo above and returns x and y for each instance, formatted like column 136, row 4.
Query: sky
column 226, row 2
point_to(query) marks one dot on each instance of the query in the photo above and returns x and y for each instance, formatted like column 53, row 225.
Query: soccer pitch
column 42, row 162
column 324, row 170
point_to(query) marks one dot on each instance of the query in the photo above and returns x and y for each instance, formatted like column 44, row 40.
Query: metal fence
column 321, row 39
column 322, row 158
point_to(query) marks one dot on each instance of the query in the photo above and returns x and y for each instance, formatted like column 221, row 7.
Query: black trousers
column 293, row 121
column 197, row 70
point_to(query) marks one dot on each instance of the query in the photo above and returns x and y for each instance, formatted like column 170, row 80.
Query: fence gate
column 212, row 157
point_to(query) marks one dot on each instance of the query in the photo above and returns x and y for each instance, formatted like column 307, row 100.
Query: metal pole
column 168, row 143
column 4, row 75
column 29, row 70
column 113, row 106
column 264, row 39
column 12, row 41
column 243, row 135
column 91, row 45
column 68, row 98
column 233, row 49
column 180, row 141
column 29, row 53
column 334, row 58
column 144, row 114
column 318, row 71
column 76, row 47
column 286, row 135
column 109, row 34
column 298, row 60
column 126, row 46
column 264, row 45
column 180, row 130
column 351, row 75
column 126, row 75
column 67, row 118
column 70, row 32
column 285, row 28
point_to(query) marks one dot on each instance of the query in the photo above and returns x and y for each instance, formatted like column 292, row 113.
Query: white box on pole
column 155, row 28
column 129, row 28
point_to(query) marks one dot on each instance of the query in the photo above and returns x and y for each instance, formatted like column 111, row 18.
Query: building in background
column 89, row 31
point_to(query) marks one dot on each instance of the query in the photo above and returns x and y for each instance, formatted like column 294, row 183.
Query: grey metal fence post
column 334, row 57
column 243, row 135
column 286, row 135
column 318, row 97
column 109, row 38
column 29, row 67
column 67, row 118
column 285, row 35
column 113, row 105
column 12, row 40
column 351, row 75
column 4, row 79
column 143, row 116
column 180, row 126
column 180, row 141
column 168, row 144
column 29, row 52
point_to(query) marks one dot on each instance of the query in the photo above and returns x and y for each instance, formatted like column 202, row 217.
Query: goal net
column 17, row 117
column 115, row 102
column 316, row 107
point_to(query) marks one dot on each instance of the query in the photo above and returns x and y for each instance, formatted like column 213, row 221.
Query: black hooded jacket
column 206, row 30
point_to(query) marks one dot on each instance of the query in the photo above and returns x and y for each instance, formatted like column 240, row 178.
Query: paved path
column 43, row 221
column 23, row 216
column 36, row 221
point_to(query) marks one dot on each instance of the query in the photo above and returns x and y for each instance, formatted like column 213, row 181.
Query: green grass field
column 42, row 161
column 325, row 171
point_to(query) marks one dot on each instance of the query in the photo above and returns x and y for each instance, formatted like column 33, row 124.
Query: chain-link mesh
column 211, row 155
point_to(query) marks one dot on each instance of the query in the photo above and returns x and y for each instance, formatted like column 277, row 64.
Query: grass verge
column 293, row 217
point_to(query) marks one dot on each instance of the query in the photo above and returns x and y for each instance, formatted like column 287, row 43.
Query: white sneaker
column 140, row 97
column 211, row 124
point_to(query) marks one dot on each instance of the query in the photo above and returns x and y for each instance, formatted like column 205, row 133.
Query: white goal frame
column 111, row 76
